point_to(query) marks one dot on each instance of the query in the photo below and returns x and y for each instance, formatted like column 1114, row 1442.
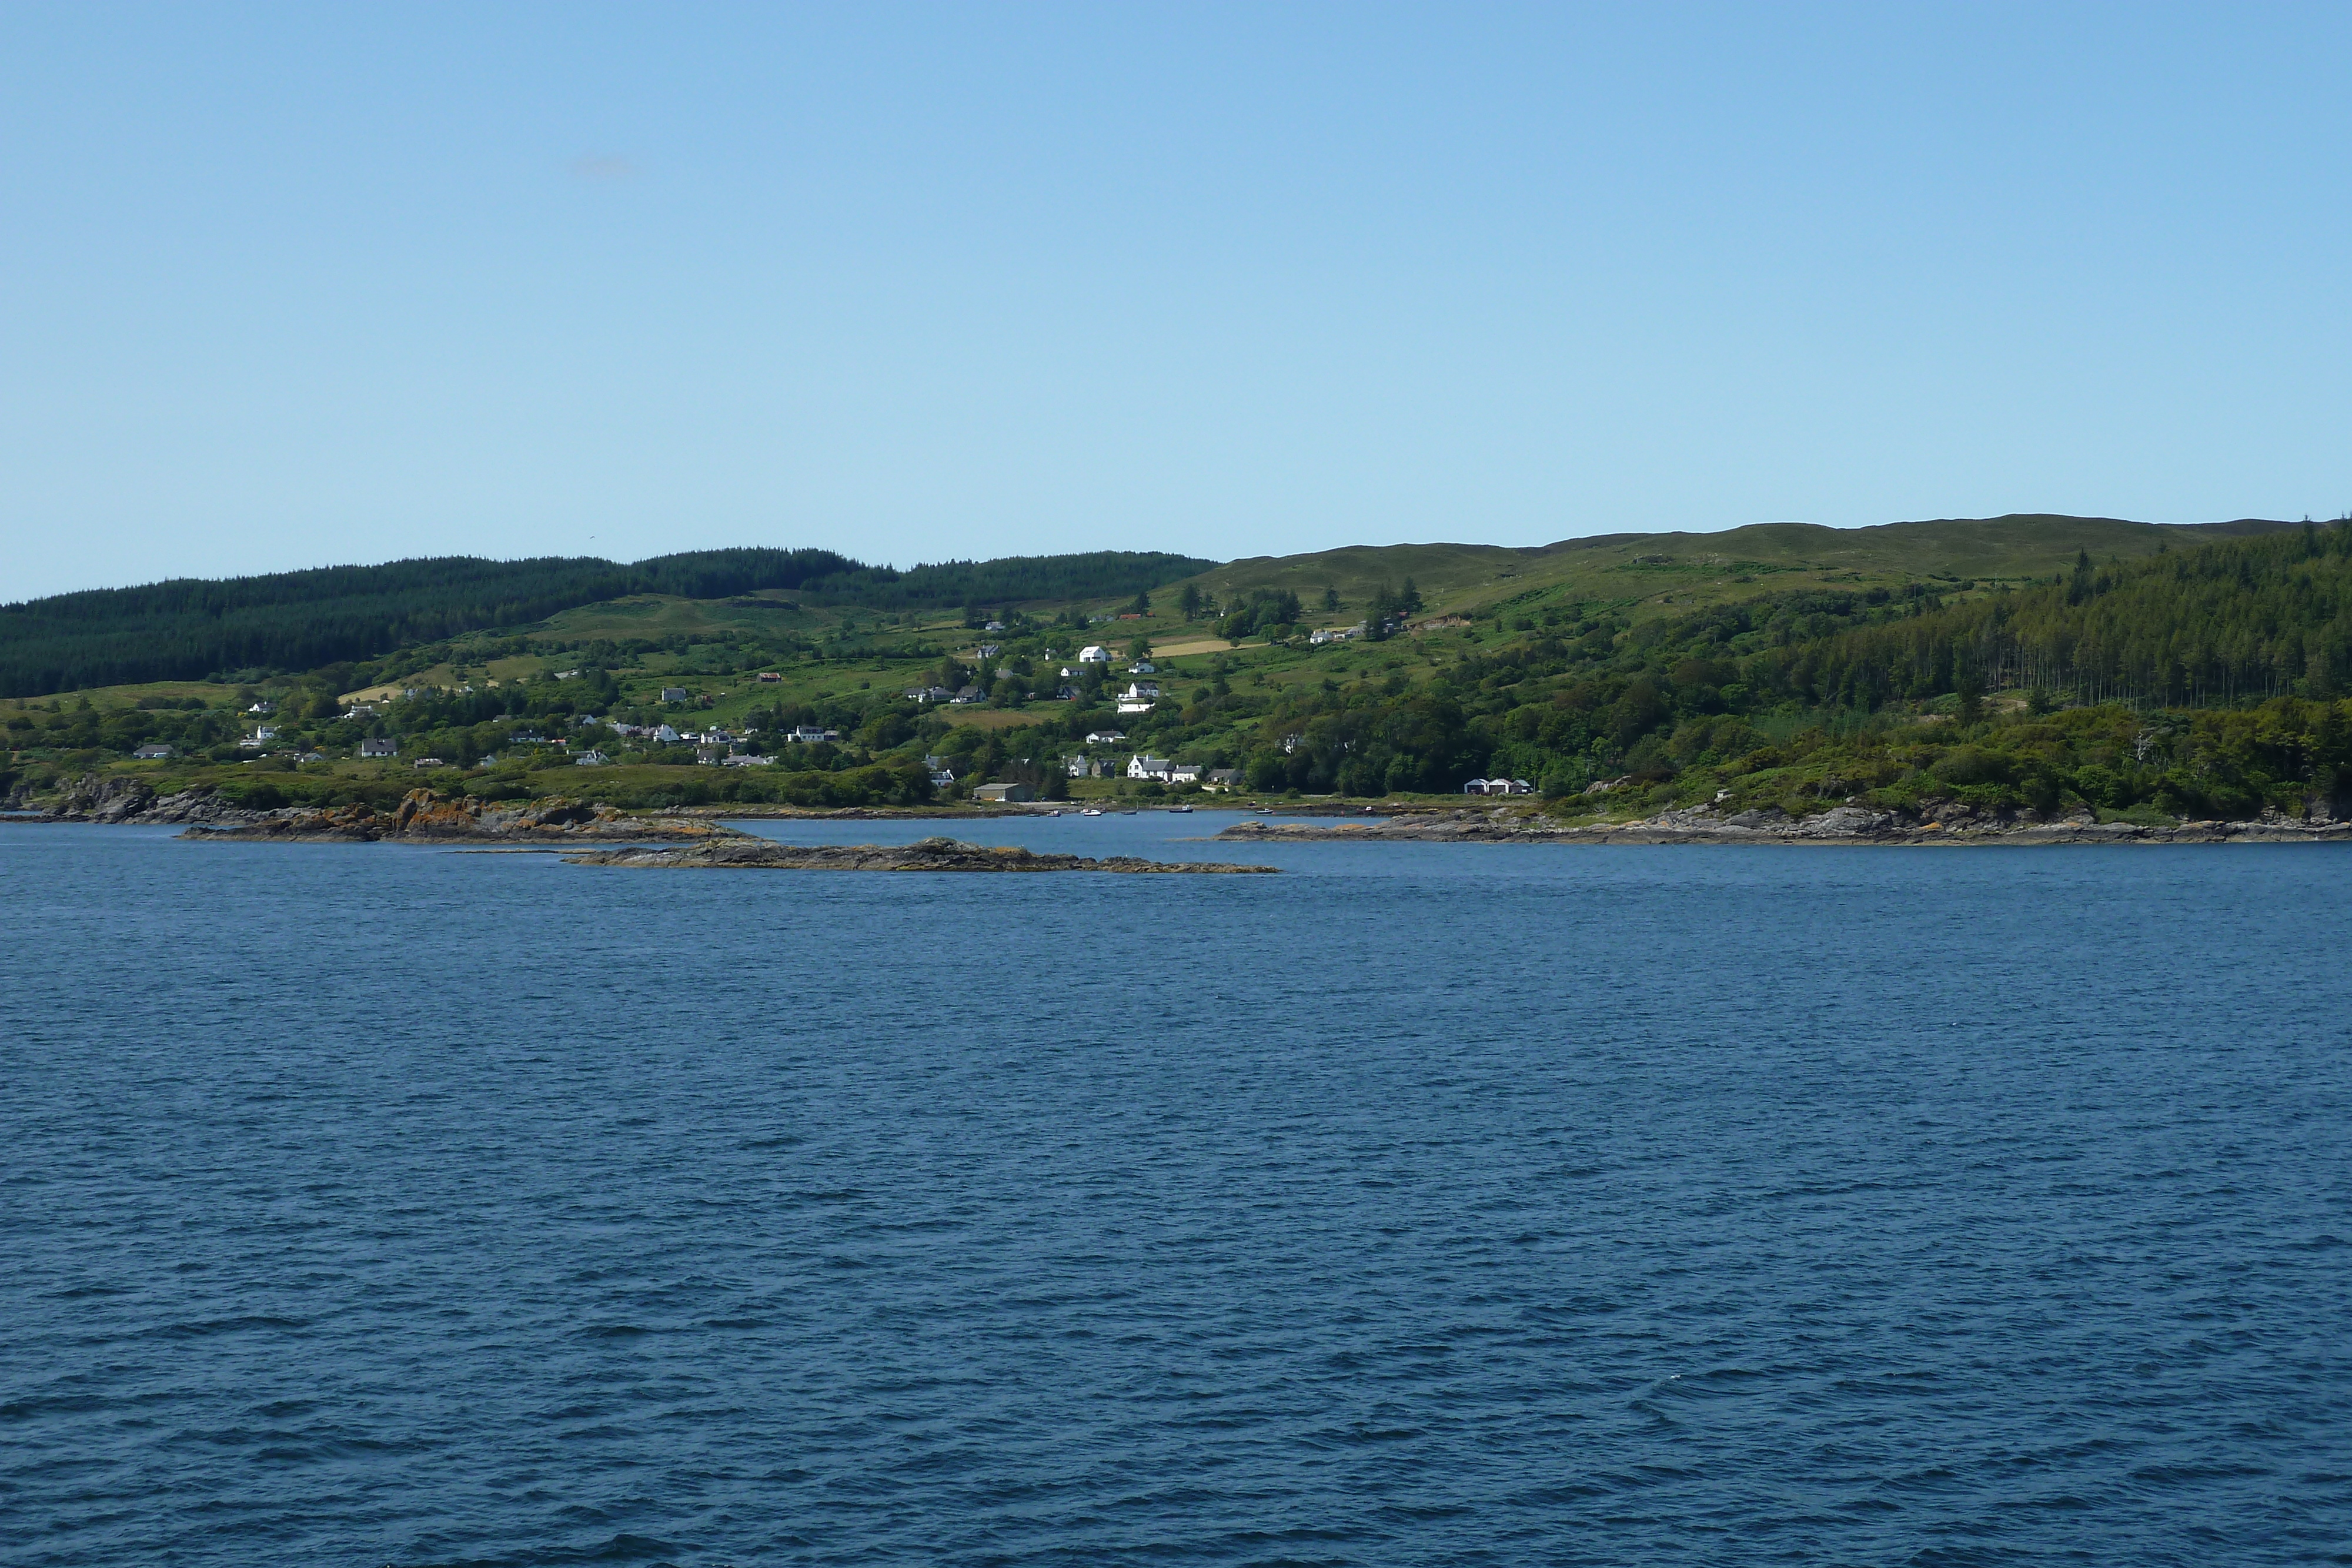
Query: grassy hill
column 191, row 629
column 1655, row 571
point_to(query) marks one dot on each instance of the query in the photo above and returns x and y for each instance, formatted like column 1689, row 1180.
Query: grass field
column 212, row 695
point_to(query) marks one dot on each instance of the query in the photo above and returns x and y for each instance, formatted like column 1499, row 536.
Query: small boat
column 1090, row 812
column 1126, row 813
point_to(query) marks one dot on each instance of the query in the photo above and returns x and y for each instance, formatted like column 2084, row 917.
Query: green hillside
column 1655, row 571
column 191, row 629
column 2008, row 663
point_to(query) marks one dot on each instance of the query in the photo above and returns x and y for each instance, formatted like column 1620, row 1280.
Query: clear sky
column 287, row 286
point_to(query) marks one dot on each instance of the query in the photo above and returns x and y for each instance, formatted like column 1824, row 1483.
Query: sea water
column 1425, row 1204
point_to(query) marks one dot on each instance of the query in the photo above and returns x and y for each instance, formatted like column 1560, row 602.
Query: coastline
column 1843, row 825
column 427, row 814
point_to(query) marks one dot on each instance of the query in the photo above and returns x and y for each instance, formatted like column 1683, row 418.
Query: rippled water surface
column 1427, row 1204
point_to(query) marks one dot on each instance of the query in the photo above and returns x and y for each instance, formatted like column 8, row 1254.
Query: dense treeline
column 190, row 628
column 2244, row 619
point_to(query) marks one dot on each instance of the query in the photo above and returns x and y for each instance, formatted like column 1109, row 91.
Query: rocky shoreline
column 422, row 816
column 925, row 854
column 1847, row 824
column 427, row 816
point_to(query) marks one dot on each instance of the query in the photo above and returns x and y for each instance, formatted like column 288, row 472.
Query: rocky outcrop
column 200, row 805
column 92, row 799
column 120, row 798
column 925, row 854
column 428, row 815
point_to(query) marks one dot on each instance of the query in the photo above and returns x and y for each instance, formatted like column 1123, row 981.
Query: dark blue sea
column 1426, row 1204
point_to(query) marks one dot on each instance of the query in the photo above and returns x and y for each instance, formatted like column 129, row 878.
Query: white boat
column 1090, row 812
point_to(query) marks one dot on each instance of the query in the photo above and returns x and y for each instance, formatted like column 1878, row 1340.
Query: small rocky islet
column 924, row 854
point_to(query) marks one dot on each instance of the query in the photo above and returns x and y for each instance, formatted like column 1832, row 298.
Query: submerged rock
column 924, row 854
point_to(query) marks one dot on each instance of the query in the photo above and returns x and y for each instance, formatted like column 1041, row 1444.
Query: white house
column 745, row 760
column 673, row 694
column 1104, row 736
column 1094, row 654
column 1082, row 767
column 153, row 753
column 1184, row 773
column 812, row 734
column 263, row 707
column 379, row 749
column 994, row 626
column 1143, row 667
column 1141, row 767
column 591, row 759
column 1498, row 787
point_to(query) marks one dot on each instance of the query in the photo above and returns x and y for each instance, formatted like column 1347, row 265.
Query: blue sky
column 287, row 286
